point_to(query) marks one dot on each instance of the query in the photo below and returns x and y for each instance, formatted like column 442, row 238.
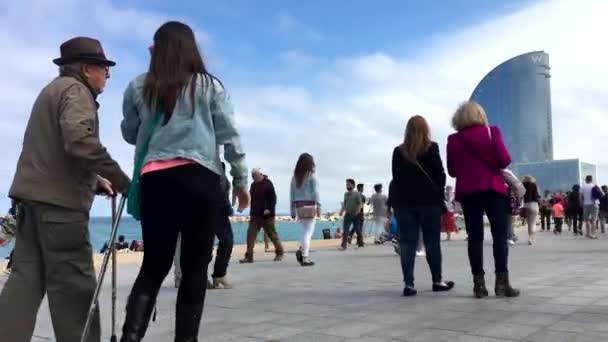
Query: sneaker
column 420, row 253
column 511, row 242
column 307, row 262
column 279, row 257
column 246, row 261
column 299, row 256
column 409, row 292
column 443, row 286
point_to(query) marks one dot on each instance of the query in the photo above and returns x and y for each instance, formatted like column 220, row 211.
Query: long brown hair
column 304, row 167
column 175, row 63
column 417, row 138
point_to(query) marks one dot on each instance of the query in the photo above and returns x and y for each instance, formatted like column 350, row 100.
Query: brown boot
column 248, row 259
column 503, row 287
column 479, row 287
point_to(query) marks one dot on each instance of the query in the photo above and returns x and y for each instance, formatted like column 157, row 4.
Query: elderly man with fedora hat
column 62, row 166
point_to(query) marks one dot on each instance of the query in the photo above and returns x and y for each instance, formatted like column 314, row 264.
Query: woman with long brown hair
column 305, row 203
column 417, row 200
column 177, row 114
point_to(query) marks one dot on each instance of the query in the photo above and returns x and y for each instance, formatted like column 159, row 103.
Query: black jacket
column 263, row 197
column 410, row 186
column 532, row 194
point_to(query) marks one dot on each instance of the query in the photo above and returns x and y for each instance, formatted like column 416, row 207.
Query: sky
column 336, row 79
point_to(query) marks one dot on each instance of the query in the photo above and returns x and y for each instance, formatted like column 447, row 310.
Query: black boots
column 187, row 322
column 139, row 310
column 503, row 287
column 479, row 287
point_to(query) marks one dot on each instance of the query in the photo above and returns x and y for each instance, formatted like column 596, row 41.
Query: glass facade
column 586, row 170
column 556, row 175
column 517, row 98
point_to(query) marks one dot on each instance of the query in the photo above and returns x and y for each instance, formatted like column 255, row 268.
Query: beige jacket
column 62, row 155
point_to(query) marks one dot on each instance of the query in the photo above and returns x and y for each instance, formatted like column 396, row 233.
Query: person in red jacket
column 476, row 156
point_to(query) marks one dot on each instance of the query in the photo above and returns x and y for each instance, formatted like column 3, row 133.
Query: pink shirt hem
column 158, row 165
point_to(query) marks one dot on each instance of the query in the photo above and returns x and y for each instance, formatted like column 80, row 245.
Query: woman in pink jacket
column 476, row 155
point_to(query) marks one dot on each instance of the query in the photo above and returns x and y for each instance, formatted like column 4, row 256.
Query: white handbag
column 307, row 211
column 514, row 183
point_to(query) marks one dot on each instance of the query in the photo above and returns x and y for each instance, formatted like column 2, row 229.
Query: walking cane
column 114, row 268
column 111, row 251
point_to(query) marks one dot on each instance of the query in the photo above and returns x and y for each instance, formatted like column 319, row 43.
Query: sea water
column 100, row 228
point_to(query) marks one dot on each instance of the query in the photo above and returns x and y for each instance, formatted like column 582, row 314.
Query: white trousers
column 378, row 226
column 308, row 228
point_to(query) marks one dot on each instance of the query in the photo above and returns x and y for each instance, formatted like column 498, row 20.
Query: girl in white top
column 305, row 203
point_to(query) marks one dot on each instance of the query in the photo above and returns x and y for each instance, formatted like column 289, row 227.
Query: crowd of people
column 179, row 117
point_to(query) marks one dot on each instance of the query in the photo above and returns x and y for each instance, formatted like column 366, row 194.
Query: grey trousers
column 53, row 256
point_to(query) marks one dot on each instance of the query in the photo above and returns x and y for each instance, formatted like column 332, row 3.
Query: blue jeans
column 510, row 231
column 411, row 220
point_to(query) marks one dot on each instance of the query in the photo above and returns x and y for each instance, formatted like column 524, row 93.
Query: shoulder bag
column 444, row 208
column 134, row 194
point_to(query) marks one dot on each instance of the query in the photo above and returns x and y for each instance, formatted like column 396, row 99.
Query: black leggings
column 223, row 231
column 186, row 200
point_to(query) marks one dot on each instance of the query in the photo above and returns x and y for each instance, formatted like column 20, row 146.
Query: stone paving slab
column 355, row 296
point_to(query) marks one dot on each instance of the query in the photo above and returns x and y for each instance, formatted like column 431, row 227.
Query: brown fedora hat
column 82, row 49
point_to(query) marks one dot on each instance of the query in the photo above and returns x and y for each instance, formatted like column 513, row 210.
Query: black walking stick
column 111, row 251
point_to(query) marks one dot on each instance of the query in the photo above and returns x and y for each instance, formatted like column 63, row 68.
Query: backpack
column 596, row 193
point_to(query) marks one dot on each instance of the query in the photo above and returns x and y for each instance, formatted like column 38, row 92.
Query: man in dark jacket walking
column 262, row 215
column 61, row 167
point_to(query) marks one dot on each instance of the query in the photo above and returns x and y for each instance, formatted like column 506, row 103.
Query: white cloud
column 288, row 24
column 351, row 112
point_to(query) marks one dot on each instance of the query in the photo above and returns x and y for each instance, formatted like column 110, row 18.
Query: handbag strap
column 476, row 155
column 427, row 175
column 149, row 133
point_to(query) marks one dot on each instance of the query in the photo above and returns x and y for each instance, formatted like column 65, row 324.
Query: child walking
column 558, row 217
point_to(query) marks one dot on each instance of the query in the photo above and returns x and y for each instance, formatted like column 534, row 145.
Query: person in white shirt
column 591, row 195
column 378, row 203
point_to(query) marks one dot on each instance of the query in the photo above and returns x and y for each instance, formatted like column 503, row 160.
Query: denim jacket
column 308, row 192
column 194, row 136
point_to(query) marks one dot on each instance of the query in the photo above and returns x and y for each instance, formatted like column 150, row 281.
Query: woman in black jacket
column 417, row 199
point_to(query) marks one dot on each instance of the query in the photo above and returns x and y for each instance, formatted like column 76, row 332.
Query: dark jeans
column 577, row 220
column 358, row 229
column 411, row 220
column 352, row 220
column 496, row 207
column 558, row 224
column 223, row 231
column 545, row 219
column 183, row 200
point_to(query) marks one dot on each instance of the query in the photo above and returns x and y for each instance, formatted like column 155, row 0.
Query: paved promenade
column 355, row 296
